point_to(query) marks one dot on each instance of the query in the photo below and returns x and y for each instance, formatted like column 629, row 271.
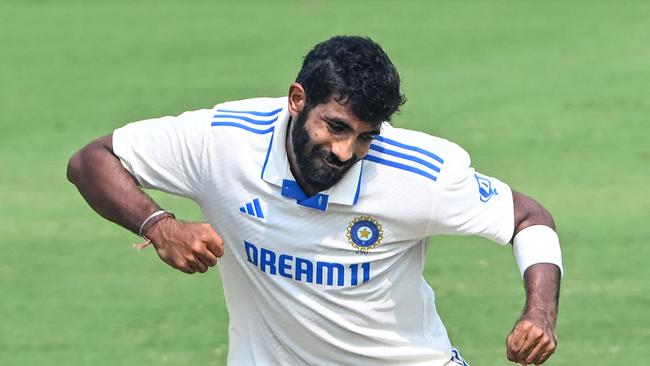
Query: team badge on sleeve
column 485, row 189
column 365, row 233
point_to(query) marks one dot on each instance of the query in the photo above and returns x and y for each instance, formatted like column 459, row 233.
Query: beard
column 313, row 170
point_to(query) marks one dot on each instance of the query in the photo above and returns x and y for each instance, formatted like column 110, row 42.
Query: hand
column 188, row 246
column 532, row 340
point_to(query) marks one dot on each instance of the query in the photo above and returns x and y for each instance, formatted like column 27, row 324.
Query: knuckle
column 526, row 325
column 536, row 333
column 197, row 247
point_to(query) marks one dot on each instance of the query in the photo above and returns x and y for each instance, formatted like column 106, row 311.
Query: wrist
column 152, row 221
column 536, row 311
column 156, row 232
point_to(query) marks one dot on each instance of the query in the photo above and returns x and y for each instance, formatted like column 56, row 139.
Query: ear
column 297, row 99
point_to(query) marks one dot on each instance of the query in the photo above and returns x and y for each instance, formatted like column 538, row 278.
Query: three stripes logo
column 253, row 208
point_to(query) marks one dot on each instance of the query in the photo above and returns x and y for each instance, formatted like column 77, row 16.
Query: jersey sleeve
column 165, row 153
column 469, row 203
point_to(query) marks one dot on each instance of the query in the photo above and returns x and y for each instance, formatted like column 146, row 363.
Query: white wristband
column 537, row 244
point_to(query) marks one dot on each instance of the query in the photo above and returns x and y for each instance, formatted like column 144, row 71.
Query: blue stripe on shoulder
column 254, row 113
column 247, row 119
column 410, row 147
column 405, row 156
column 244, row 127
column 400, row 166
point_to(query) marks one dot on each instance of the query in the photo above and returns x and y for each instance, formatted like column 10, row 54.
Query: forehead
column 337, row 112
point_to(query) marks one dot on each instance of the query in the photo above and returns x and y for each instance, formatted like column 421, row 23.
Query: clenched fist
column 188, row 246
column 532, row 340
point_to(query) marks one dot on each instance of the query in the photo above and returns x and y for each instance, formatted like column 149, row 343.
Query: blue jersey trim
column 410, row 147
column 356, row 195
column 254, row 121
column 243, row 127
column 400, row 166
column 405, row 156
column 254, row 113
column 291, row 189
column 268, row 153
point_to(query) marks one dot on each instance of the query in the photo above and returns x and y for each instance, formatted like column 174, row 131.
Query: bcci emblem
column 485, row 189
column 365, row 233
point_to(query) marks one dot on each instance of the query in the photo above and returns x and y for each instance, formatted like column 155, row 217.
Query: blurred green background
column 552, row 97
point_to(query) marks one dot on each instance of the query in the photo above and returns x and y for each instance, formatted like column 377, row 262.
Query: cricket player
column 319, row 215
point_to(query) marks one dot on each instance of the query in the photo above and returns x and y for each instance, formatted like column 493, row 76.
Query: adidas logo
column 253, row 208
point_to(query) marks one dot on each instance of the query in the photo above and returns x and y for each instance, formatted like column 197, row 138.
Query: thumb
column 212, row 240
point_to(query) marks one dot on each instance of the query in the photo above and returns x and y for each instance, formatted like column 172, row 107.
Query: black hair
column 356, row 72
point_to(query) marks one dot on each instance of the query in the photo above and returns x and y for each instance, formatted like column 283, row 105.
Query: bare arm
column 533, row 338
column 107, row 187
column 111, row 191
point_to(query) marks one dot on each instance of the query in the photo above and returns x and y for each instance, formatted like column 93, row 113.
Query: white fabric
column 537, row 244
column 300, row 290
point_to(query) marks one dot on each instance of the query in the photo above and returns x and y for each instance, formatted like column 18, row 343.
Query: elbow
column 86, row 158
column 538, row 215
column 74, row 167
column 529, row 212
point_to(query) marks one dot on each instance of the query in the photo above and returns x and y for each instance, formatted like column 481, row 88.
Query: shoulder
column 257, row 115
column 260, row 107
column 416, row 153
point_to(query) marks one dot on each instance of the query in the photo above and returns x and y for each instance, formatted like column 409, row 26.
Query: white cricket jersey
column 332, row 279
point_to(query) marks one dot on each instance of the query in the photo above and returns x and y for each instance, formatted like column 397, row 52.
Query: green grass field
column 553, row 97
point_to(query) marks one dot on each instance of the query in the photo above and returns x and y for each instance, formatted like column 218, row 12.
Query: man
column 322, row 213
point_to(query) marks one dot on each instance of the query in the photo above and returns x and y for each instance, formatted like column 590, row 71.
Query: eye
column 335, row 127
column 367, row 137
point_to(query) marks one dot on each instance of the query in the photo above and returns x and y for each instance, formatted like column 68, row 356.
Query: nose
column 344, row 149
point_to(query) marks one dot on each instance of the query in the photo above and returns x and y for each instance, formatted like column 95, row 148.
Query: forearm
column 107, row 186
column 542, row 282
column 533, row 338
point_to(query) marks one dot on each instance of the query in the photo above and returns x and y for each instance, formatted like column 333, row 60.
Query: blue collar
column 291, row 189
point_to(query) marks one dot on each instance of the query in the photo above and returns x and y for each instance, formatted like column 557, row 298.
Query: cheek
column 362, row 149
column 318, row 137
